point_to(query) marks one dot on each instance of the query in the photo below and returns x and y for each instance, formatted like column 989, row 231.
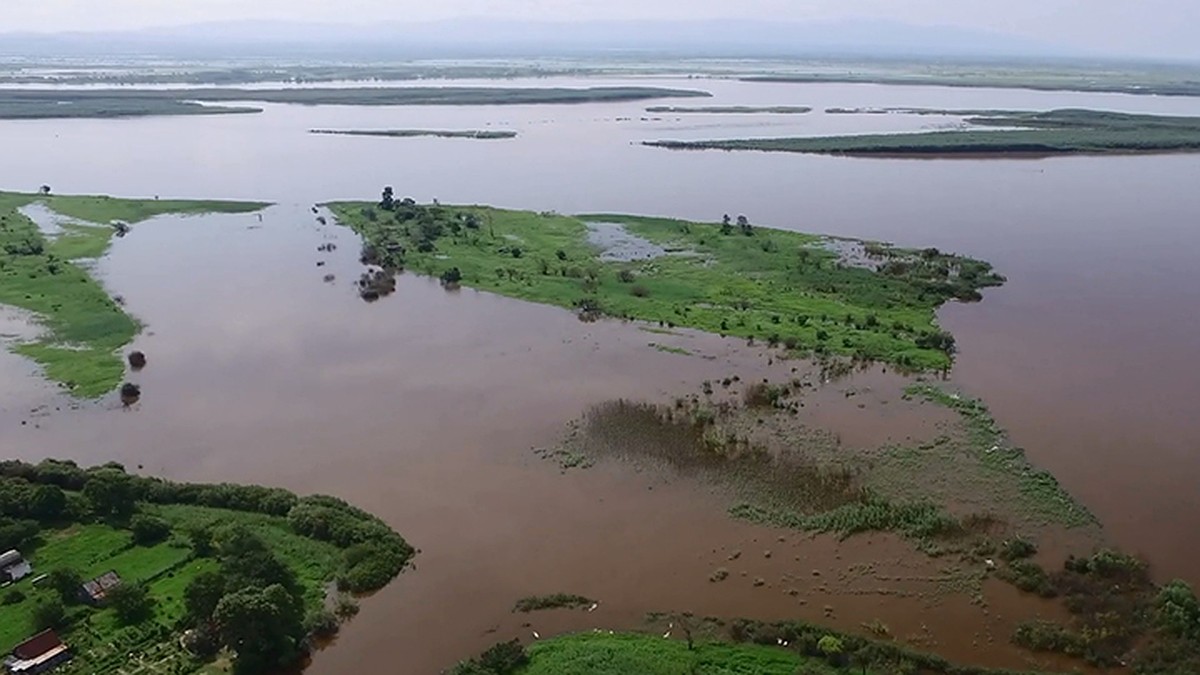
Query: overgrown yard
column 83, row 326
column 784, row 288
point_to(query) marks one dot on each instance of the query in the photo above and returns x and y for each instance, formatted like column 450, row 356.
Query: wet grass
column 60, row 103
column 668, row 349
column 1039, row 492
column 84, row 327
column 537, row 603
column 1057, row 132
column 418, row 133
column 733, row 109
column 783, row 288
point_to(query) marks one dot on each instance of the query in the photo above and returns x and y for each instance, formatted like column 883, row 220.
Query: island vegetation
column 799, row 292
column 734, row 109
column 418, row 133
column 192, row 574
column 56, row 103
column 1022, row 134
column 83, row 326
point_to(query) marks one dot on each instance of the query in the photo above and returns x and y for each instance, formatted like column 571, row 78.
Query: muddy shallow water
column 424, row 406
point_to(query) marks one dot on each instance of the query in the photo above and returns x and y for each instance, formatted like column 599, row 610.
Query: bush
column 13, row 597
column 148, row 530
column 49, row 614
column 639, row 291
column 626, row 276
column 1017, row 548
column 451, row 277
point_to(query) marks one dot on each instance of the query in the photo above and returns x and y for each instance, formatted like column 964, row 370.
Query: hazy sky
column 1148, row 27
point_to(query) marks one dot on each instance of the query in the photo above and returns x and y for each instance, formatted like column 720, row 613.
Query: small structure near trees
column 95, row 592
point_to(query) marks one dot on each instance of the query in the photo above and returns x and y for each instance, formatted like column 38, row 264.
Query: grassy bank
column 193, row 561
column 48, row 103
column 1058, row 132
column 83, row 327
column 797, row 291
column 418, row 133
column 733, row 109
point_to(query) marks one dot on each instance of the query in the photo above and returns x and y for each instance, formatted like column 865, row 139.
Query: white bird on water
column 536, row 636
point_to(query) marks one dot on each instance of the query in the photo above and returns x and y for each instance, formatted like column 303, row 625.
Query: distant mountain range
column 498, row 38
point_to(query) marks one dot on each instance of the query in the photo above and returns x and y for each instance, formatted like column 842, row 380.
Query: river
column 424, row 407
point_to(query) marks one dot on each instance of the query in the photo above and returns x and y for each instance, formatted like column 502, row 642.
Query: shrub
column 639, row 291
column 626, row 276
column 13, row 597
column 148, row 530
column 49, row 614
column 1017, row 548
column 504, row 658
column 131, row 603
column 451, row 277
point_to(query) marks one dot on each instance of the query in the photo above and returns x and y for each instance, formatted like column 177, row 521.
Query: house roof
column 38, row 645
column 100, row 586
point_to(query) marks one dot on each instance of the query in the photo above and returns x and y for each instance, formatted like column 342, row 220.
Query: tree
column 45, row 190
column 246, row 562
column 388, row 202
column 48, row 614
column 47, row 502
column 148, row 530
column 743, row 224
column 726, row 225
column 66, row 582
column 832, row 648
column 131, row 602
column 202, row 541
column 111, row 492
column 451, row 277
column 263, row 626
column 202, row 595
column 1179, row 611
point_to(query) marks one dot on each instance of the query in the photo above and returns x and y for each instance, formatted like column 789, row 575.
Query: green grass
column 779, row 287
column 1056, row 132
column 84, row 327
column 668, row 349
column 626, row 654
column 314, row 562
column 537, row 603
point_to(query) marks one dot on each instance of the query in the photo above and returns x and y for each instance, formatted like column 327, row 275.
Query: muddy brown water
column 424, row 407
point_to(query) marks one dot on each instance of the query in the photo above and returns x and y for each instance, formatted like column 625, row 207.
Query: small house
column 96, row 591
column 13, row 567
column 39, row 654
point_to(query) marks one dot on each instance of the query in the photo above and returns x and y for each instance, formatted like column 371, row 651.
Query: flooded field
column 426, row 407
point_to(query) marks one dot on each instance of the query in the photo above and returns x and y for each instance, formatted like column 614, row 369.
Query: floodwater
column 424, row 407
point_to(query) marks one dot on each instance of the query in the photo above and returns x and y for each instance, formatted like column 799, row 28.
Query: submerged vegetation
column 1119, row 617
column 417, row 133
column 1055, row 132
column 202, row 571
column 537, row 603
column 733, row 109
column 790, row 290
column 83, row 327
column 54, row 103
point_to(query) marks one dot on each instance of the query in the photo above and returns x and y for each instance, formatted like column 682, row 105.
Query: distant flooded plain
column 425, row 407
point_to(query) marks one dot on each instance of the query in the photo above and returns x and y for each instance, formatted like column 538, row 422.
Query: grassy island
column 83, row 326
column 733, row 109
column 188, row 575
column 803, row 292
column 418, row 133
column 1023, row 134
column 56, row 103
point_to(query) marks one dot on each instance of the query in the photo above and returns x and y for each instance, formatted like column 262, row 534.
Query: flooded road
column 424, row 407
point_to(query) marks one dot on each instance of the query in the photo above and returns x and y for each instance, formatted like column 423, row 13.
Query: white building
column 13, row 567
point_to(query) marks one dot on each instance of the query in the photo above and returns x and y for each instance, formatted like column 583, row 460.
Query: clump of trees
column 503, row 658
column 254, row 605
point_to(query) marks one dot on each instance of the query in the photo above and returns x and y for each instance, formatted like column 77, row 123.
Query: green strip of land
column 55, row 103
column 783, row 288
column 418, row 133
column 733, row 109
column 84, row 327
column 1036, row 134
